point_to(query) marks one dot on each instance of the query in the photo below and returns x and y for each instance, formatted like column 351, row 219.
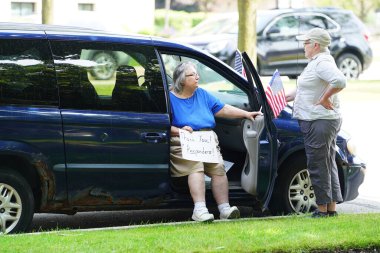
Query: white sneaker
column 202, row 216
column 231, row 213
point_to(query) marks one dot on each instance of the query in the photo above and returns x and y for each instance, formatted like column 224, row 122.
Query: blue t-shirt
column 196, row 111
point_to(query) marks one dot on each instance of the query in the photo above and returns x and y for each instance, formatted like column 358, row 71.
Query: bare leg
column 197, row 187
column 196, row 183
column 322, row 208
column 331, row 206
column 220, row 189
column 220, row 192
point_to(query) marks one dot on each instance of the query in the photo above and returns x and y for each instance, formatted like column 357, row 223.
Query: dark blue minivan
column 71, row 142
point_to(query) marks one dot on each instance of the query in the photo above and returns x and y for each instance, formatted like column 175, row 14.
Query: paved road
column 359, row 205
column 361, row 122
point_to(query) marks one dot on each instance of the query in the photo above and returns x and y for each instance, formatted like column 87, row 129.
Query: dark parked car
column 71, row 143
column 277, row 47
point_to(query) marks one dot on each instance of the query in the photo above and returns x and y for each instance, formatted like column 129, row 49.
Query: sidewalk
column 372, row 72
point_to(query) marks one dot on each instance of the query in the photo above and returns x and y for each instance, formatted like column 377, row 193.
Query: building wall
column 113, row 15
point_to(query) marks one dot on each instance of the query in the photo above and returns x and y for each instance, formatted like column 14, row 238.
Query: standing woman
column 316, row 106
column 193, row 109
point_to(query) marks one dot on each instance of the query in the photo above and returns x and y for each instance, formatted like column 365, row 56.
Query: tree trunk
column 247, row 28
column 167, row 10
column 47, row 12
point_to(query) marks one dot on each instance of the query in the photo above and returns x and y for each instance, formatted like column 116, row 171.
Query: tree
column 167, row 10
column 47, row 11
column 362, row 8
column 247, row 28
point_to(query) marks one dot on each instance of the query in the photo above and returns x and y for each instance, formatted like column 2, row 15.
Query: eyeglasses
column 192, row 74
column 306, row 43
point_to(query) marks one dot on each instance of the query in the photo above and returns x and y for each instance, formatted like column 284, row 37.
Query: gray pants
column 320, row 140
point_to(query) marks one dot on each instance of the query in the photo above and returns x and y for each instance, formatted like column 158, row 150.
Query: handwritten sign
column 199, row 146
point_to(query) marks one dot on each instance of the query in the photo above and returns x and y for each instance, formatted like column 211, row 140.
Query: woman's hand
column 252, row 115
column 325, row 99
column 187, row 128
column 326, row 103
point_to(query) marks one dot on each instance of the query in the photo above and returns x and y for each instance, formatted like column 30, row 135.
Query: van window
column 26, row 73
column 106, row 76
column 210, row 80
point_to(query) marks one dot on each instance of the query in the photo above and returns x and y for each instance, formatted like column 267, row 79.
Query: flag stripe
column 276, row 98
column 239, row 63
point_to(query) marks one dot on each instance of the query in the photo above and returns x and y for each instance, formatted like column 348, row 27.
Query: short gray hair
column 179, row 76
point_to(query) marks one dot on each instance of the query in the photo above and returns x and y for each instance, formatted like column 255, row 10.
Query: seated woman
column 194, row 109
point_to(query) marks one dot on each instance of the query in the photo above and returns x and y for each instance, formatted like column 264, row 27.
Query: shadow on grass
column 103, row 219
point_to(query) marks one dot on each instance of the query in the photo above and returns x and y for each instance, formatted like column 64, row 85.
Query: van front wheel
column 16, row 203
column 294, row 192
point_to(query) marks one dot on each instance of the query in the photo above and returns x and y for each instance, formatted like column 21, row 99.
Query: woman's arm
column 289, row 96
column 328, row 71
column 325, row 99
column 229, row 111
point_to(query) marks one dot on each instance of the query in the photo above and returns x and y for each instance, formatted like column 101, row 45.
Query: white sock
column 223, row 206
column 200, row 206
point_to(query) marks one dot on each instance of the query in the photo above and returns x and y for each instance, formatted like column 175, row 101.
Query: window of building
column 23, row 8
column 86, row 7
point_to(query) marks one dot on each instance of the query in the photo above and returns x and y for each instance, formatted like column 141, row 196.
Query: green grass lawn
column 282, row 234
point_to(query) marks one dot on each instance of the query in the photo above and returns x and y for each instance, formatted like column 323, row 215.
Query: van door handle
column 153, row 137
column 104, row 137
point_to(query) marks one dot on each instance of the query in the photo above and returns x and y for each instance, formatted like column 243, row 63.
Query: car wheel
column 350, row 65
column 294, row 192
column 106, row 66
column 16, row 203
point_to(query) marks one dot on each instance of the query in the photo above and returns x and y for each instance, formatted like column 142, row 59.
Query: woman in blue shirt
column 194, row 109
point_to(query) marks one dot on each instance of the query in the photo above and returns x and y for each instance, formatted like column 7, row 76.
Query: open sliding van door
column 260, row 139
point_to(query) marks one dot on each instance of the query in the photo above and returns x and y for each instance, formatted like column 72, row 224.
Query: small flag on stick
column 275, row 94
column 239, row 63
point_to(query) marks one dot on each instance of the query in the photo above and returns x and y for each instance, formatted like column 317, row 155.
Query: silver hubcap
column 349, row 68
column 106, row 66
column 301, row 193
column 10, row 208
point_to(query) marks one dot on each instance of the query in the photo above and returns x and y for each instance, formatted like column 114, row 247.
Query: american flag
column 275, row 94
column 239, row 63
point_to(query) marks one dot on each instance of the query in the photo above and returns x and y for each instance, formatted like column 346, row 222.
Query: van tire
column 293, row 192
column 12, row 181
